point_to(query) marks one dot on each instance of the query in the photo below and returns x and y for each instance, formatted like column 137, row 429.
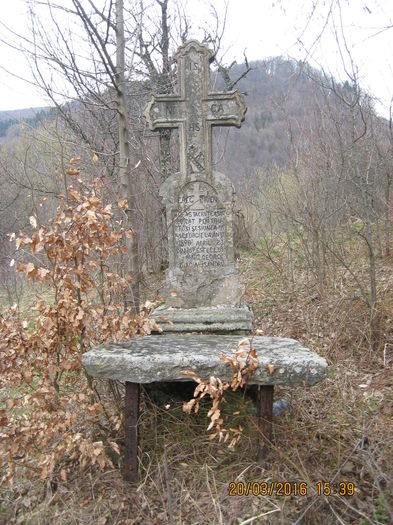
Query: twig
column 250, row 520
column 343, row 500
column 216, row 507
column 360, row 442
column 300, row 518
column 334, row 512
column 384, row 353
column 168, row 488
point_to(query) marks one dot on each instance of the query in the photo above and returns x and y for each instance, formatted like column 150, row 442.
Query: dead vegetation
column 339, row 431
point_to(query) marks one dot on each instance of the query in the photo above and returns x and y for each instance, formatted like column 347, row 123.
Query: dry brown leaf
column 244, row 342
column 101, row 461
column 270, row 368
column 166, row 320
column 75, row 195
column 42, row 272
column 188, row 406
column 115, row 447
column 191, row 373
column 29, row 268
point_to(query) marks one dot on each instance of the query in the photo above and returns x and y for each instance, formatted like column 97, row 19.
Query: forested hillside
column 278, row 93
column 11, row 121
column 281, row 96
column 289, row 106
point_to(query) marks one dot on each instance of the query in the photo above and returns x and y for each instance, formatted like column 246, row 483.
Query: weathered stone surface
column 204, row 319
column 201, row 268
column 195, row 109
column 198, row 201
column 165, row 357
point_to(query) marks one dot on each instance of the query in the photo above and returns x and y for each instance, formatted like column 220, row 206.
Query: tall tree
column 97, row 62
column 126, row 177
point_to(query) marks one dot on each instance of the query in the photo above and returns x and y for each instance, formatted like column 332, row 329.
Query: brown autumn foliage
column 55, row 418
column 244, row 362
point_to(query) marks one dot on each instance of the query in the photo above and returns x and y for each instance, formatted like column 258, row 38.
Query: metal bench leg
column 265, row 422
column 131, row 415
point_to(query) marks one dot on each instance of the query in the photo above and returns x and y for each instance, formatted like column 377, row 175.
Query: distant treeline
column 32, row 122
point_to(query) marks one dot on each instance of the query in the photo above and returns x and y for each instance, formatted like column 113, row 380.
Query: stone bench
column 163, row 358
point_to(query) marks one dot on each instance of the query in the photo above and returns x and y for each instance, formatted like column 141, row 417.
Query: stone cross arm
column 195, row 109
column 219, row 109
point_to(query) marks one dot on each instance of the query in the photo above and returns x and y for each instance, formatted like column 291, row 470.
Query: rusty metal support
column 265, row 421
column 131, row 415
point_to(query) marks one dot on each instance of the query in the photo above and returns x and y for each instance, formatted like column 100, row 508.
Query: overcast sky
column 302, row 29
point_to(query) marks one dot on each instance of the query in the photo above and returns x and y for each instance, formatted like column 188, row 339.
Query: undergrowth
column 53, row 418
column 336, row 432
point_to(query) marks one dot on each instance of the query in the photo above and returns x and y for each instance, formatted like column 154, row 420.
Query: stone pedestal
column 162, row 358
column 219, row 319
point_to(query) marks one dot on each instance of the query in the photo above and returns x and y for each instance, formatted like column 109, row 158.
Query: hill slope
column 11, row 118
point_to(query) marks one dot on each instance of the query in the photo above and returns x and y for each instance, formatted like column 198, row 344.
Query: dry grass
column 340, row 430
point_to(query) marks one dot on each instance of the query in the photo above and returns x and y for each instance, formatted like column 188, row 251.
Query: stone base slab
column 204, row 319
column 164, row 358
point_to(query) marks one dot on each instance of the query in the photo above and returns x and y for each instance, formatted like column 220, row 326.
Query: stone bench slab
column 158, row 358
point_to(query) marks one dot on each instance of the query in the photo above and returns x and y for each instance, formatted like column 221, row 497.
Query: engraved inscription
column 196, row 159
column 200, row 239
column 199, row 228
column 217, row 109
column 192, row 66
column 170, row 109
column 200, row 195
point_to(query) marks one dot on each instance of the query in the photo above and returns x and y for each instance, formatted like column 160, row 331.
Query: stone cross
column 195, row 110
column 199, row 201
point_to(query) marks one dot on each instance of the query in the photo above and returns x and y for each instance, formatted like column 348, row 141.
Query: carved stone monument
column 202, row 290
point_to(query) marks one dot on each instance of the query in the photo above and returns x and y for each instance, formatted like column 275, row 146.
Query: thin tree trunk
column 387, row 216
column 126, row 181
